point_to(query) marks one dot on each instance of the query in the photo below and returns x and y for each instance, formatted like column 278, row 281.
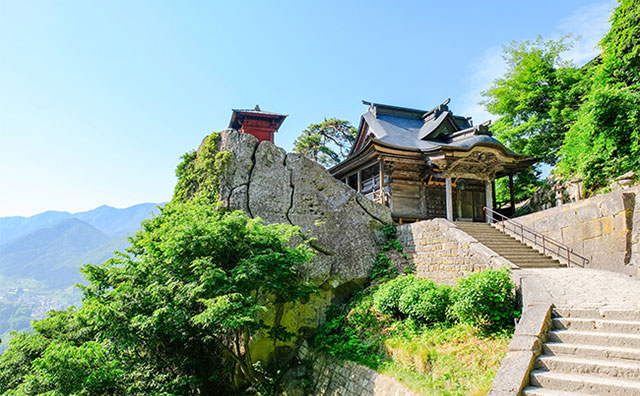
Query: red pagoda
column 261, row 124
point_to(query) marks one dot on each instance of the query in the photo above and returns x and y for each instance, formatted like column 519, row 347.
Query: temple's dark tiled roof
column 426, row 130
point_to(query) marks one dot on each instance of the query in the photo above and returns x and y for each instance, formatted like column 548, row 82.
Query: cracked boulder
column 265, row 181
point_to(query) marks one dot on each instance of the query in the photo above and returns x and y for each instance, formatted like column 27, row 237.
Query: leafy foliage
column 536, row 100
column 389, row 231
column 604, row 142
column 425, row 301
column 401, row 327
column 536, row 97
column 387, row 298
column 410, row 297
column 326, row 143
column 198, row 173
column 173, row 316
column 584, row 120
column 353, row 332
column 485, row 299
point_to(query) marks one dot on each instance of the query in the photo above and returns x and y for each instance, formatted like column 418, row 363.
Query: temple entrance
column 471, row 199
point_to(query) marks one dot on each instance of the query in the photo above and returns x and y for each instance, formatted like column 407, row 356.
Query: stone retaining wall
column 605, row 229
column 443, row 253
column 333, row 377
column 530, row 334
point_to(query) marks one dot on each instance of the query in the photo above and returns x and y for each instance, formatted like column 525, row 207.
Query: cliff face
column 265, row 181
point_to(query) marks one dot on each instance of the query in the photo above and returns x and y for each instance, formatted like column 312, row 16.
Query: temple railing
column 548, row 245
column 381, row 198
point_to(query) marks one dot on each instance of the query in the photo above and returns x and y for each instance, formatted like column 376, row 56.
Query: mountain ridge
column 14, row 227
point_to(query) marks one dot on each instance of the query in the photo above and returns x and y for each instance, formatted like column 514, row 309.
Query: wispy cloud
column 481, row 76
column 589, row 23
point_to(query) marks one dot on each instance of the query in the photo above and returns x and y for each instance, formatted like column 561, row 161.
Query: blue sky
column 98, row 100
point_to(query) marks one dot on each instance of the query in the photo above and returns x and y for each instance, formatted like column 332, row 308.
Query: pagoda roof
column 254, row 113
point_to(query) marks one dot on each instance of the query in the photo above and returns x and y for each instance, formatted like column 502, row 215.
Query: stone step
column 591, row 351
column 531, row 257
column 506, row 243
column 534, row 262
column 536, row 391
column 598, row 325
column 523, row 253
column 593, row 338
column 585, row 383
column 515, row 248
column 582, row 365
column 493, row 237
column 527, row 265
column 609, row 314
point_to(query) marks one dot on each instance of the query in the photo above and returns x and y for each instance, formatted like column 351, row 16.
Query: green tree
column 174, row 315
column 605, row 139
column 536, row 100
column 327, row 143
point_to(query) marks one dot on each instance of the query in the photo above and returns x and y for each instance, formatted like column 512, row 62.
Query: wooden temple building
column 425, row 164
column 257, row 122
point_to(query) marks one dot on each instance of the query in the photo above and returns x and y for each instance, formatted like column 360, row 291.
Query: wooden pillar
column 512, row 198
column 493, row 192
column 488, row 190
column 359, row 181
column 449, row 198
column 382, row 182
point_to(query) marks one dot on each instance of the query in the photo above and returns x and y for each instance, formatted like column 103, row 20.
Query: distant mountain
column 109, row 220
column 12, row 228
column 115, row 222
column 45, row 254
column 41, row 256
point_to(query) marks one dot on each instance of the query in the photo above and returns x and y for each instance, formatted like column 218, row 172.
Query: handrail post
column 544, row 249
column 568, row 257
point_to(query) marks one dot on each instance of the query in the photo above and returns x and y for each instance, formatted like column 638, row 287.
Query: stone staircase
column 507, row 246
column 589, row 353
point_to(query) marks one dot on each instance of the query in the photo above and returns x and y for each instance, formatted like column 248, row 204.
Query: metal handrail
column 548, row 245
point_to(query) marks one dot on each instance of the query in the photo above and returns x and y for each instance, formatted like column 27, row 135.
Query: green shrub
column 387, row 297
column 425, row 301
column 389, row 231
column 485, row 299
column 392, row 244
column 382, row 268
column 352, row 332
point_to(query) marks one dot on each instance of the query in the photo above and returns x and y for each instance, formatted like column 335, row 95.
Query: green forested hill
column 41, row 256
column 46, row 254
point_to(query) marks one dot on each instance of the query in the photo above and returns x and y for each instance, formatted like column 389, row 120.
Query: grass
column 445, row 360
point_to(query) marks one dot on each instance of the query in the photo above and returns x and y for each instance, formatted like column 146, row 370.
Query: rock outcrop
column 265, row 181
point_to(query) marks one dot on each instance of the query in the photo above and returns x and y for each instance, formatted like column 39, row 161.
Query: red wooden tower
column 261, row 124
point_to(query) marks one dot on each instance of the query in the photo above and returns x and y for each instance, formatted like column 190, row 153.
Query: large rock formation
column 265, row 181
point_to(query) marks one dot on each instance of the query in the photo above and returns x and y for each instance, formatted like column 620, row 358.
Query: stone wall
column 443, row 253
column 333, row 377
column 605, row 229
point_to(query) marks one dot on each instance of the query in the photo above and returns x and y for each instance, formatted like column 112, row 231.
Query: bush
column 382, row 268
column 425, row 301
column 389, row 231
column 352, row 332
column 387, row 297
column 485, row 299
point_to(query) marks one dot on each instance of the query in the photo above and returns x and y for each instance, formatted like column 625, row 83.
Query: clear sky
column 98, row 100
